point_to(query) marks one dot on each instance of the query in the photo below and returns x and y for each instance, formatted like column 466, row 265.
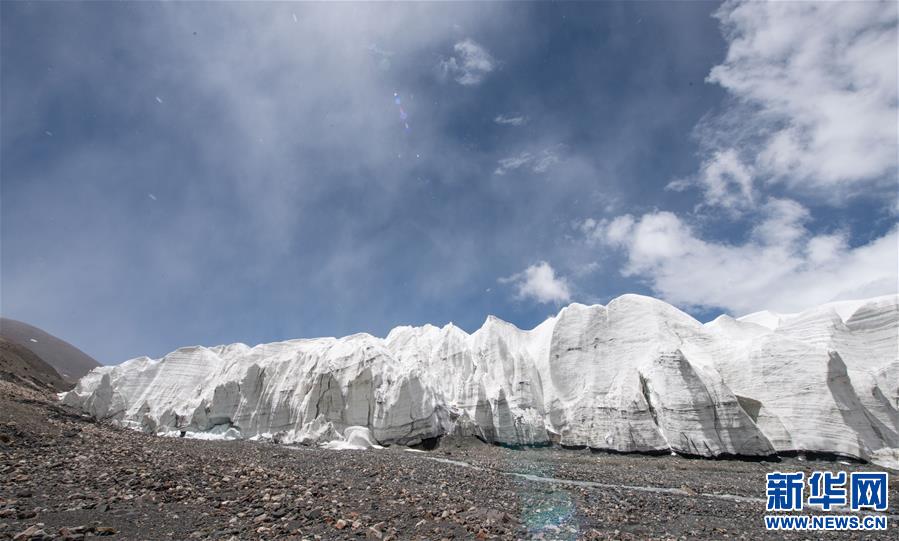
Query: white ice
column 634, row 375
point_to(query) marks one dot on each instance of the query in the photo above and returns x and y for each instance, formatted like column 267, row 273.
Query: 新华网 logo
column 862, row 492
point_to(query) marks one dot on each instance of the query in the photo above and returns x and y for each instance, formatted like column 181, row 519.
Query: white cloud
column 508, row 164
column 546, row 160
column 781, row 266
column 725, row 180
column 538, row 163
column 470, row 64
column 813, row 108
column 383, row 57
column 611, row 232
column 814, row 100
column 511, row 120
column 540, row 283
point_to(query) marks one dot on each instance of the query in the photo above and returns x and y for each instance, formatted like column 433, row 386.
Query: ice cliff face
column 635, row 375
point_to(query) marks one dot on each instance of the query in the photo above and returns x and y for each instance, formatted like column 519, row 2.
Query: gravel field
column 65, row 477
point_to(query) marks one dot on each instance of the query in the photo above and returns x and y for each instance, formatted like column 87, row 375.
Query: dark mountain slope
column 21, row 366
column 70, row 362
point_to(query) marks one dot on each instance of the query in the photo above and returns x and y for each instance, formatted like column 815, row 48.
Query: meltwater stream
column 657, row 490
column 594, row 484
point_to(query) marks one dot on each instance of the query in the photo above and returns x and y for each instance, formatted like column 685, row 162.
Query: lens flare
column 404, row 118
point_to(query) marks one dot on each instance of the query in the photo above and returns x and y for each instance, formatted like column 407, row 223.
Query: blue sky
column 206, row 173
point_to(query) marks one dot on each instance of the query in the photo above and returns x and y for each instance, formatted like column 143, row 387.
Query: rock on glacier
column 637, row 375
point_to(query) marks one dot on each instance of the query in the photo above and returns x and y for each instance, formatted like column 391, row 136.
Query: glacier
column 635, row 375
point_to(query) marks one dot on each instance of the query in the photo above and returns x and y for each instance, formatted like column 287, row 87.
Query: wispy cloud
column 514, row 162
column 539, row 282
column 383, row 57
column 511, row 120
column 539, row 162
column 586, row 268
column 725, row 180
column 470, row 65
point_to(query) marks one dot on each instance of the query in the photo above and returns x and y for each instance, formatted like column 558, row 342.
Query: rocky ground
column 63, row 476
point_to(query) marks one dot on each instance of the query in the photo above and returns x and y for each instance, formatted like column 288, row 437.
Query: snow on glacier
column 636, row 375
column 355, row 438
